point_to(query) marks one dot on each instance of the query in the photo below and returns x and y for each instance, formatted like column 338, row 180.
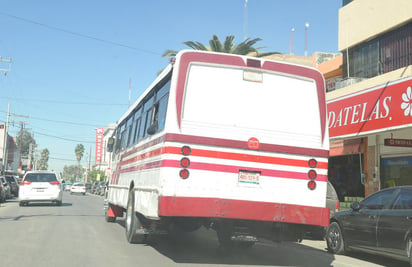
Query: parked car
column 2, row 193
column 95, row 187
column 88, row 187
column 78, row 188
column 40, row 186
column 380, row 224
column 101, row 188
column 332, row 202
column 6, row 187
column 14, row 184
column 67, row 186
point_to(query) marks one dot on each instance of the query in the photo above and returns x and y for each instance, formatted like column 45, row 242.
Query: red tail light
column 186, row 150
column 55, row 183
column 25, row 183
column 185, row 162
column 184, row 173
column 312, row 163
column 312, row 174
column 311, row 185
column 337, row 206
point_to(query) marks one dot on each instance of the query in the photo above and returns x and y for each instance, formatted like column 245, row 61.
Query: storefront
column 371, row 138
column 346, row 168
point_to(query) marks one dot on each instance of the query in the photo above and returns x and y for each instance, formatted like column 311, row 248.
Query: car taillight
column 337, row 206
column 25, row 183
column 55, row 183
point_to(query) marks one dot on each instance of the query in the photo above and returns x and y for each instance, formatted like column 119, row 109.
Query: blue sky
column 72, row 60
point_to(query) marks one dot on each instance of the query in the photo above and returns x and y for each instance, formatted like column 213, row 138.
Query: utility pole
column 6, row 139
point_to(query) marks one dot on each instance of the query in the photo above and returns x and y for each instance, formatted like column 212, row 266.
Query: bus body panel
column 251, row 167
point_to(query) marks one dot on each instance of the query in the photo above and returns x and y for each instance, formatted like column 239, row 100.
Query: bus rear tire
column 133, row 223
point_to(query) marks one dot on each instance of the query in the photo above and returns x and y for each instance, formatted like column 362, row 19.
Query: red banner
column 371, row 110
column 99, row 144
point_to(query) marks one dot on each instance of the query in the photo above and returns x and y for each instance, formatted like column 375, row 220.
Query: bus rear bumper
column 170, row 206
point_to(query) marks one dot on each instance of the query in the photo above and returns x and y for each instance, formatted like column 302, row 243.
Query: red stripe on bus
column 242, row 209
column 222, row 168
column 210, row 141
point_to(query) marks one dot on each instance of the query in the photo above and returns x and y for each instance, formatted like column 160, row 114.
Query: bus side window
column 161, row 112
column 154, row 121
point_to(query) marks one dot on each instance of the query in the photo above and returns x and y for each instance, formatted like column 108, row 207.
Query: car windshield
column 40, row 177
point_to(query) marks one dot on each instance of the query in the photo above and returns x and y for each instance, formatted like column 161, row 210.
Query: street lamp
column 306, row 38
column 291, row 40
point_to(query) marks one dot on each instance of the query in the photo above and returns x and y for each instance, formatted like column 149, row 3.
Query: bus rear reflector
column 311, row 185
column 184, row 173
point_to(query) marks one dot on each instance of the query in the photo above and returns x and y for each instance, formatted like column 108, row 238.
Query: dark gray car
column 380, row 224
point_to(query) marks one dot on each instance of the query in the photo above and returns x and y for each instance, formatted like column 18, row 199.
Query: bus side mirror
column 110, row 143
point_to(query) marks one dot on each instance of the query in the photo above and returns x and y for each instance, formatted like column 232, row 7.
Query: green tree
column 79, row 151
column 95, row 173
column 23, row 140
column 42, row 164
column 244, row 48
column 70, row 173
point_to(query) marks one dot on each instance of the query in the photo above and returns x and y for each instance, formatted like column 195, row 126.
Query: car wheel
column 334, row 239
column 21, row 204
column 409, row 248
column 133, row 223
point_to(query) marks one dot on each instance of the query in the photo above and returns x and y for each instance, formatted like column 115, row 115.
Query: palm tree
column 244, row 48
column 79, row 151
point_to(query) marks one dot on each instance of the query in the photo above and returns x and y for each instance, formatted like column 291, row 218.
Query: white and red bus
column 233, row 143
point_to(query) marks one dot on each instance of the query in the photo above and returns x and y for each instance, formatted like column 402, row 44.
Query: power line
column 64, row 102
column 79, row 34
column 64, row 122
column 66, row 139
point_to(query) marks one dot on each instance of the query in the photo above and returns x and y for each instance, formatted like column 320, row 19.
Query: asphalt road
column 76, row 234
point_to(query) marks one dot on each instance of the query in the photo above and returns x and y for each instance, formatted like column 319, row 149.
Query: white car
column 40, row 186
column 79, row 188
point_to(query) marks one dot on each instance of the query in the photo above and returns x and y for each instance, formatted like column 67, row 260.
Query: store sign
column 371, row 110
column 99, row 144
column 398, row 142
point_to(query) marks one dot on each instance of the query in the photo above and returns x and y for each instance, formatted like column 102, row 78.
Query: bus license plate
column 249, row 178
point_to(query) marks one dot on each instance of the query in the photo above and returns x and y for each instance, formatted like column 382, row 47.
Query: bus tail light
column 312, row 163
column 185, row 162
column 186, row 150
column 184, row 173
column 312, row 185
column 312, row 174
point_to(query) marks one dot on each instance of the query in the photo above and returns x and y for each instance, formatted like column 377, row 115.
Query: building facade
column 369, row 99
